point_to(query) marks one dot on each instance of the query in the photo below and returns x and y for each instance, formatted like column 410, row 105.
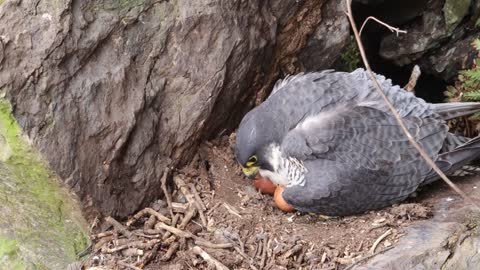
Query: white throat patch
column 286, row 171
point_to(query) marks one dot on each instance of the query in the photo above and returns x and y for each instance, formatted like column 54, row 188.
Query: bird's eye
column 252, row 160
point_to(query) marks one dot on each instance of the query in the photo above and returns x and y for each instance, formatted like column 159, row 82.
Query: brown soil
column 256, row 233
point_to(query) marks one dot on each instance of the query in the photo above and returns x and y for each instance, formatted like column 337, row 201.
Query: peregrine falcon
column 329, row 139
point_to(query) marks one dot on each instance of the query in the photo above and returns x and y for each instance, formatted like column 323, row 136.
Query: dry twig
column 292, row 251
column 391, row 28
column 197, row 197
column 191, row 212
column 168, row 196
column 175, row 231
column 412, row 82
column 367, row 257
column 150, row 211
column 231, row 210
column 148, row 256
column 174, row 223
column 209, row 259
column 124, row 264
column 380, row 239
column 190, row 198
column 207, row 244
column 170, row 252
column 264, row 252
column 118, row 227
column 101, row 235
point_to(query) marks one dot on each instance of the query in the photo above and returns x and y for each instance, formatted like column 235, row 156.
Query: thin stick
column 264, row 252
column 150, row 211
column 118, row 227
column 391, row 28
column 380, row 239
column 124, row 264
column 148, row 225
column 197, row 197
column 395, row 113
column 368, row 257
column 191, row 212
column 412, row 82
column 209, row 259
column 190, row 198
column 101, row 235
column 212, row 245
column 292, row 251
column 148, row 257
column 174, row 223
column 168, row 196
column 171, row 250
column 231, row 210
column 177, row 232
column 246, row 257
column 213, row 208
column 135, row 244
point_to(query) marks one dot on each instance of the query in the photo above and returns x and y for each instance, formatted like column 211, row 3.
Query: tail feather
column 452, row 161
column 456, row 109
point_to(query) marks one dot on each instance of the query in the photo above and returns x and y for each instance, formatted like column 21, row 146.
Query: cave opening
column 428, row 87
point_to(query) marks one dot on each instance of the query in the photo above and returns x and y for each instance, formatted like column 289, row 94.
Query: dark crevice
column 428, row 87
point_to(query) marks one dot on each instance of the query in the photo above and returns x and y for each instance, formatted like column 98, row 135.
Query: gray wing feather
column 359, row 152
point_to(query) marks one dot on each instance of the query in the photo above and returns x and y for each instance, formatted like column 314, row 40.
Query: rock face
column 41, row 226
column 438, row 40
column 113, row 92
column 441, row 243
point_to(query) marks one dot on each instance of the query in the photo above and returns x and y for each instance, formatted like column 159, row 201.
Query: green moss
column 9, row 250
column 454, row 11
column 350, row 56
column 40, row 215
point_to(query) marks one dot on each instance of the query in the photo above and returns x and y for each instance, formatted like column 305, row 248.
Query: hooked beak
column 250, row 172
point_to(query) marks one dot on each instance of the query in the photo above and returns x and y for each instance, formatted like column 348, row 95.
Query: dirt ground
column 224, row 223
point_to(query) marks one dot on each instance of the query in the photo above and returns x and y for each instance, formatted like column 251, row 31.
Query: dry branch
column 209, row 259
column 175, row 231
column 292, row 251
column 150, row 211
column 134, row 244
column 148, row 256
column 197, row 197
column 118, row 227
column 412, row 82
column 380, row 239
column 174, row 223
column 391, row 28
column 190, row 198
column 168, row 196
column 101, row 235
column 170, row 252
column 264, row 252
column 124, row 264
column 207, row 244
column 191, row 212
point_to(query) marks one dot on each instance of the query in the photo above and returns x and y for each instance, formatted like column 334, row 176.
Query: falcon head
column 256, row 138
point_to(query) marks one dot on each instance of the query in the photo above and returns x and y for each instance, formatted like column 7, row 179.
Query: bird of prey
column 329, row 139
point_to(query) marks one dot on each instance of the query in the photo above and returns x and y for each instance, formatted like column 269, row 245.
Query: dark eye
column 252, row 160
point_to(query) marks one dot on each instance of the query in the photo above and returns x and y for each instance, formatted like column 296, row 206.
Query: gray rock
column 112, row 92
column 448, row 241
column 422, row 35
column 438, row 41
column 328, row 39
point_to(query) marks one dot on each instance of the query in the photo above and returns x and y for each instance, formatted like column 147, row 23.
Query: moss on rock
column 454, row 11
column 40, row 222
